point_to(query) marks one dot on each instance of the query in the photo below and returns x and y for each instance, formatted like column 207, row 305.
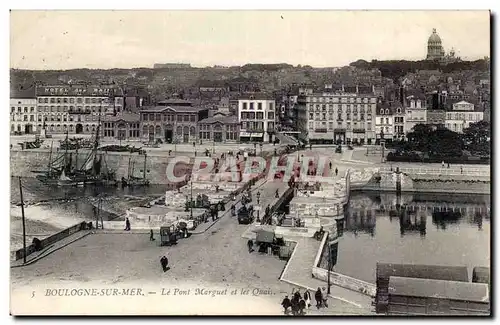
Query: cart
column 168, row 235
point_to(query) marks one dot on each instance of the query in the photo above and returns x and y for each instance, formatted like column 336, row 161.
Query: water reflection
column 430, row 229
column 412, row 211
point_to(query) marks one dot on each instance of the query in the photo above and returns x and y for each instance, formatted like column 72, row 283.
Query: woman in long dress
column 307, row 298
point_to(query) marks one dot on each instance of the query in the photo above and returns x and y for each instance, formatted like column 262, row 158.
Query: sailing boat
column 133, row 180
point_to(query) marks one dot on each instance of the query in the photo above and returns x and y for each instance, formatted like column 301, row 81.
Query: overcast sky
column 126, row 39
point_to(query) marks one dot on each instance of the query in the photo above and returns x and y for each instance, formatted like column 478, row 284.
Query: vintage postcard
column 250, row 163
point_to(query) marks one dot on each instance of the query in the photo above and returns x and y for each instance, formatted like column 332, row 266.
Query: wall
column 19, row 254
column 24, row 162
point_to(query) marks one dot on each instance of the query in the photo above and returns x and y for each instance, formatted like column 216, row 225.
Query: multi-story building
column 219, row 128
column 171, row 123
column 399, row 121
column 23, row 111
column 415, row 112
column 384, row 123
column 257, row 117
column 337, row 116
column 76, row 108
column 462, row 115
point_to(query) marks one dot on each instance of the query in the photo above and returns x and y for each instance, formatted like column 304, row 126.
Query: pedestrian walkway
column 298, row 272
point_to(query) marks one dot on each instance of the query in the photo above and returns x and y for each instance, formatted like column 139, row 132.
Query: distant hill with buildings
column 396, row 69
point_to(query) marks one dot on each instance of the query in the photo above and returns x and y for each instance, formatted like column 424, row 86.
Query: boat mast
column 144, row 171
column 128, row 168
column 50, row 157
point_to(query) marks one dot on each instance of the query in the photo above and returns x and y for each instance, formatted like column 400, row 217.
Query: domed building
column 435, row 49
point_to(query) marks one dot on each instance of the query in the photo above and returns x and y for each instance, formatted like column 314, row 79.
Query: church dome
column 434, row 38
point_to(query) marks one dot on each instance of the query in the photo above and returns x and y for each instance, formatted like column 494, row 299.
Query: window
column 46, row 100
column 79, row 100
column 193, row 118
column 260, row 115
column 398, row 110
column 12, row 109
column 270, row 115
column 386, row 120
column 251, row 106
column 244, row 105
column 270, row 126
column 40, row 100
column 259, row 106
column 52, row 100
column 271, row 106
column 381, row 111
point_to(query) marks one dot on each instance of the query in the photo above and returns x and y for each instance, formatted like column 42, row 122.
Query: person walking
column 336, row 171
column 164, row 263
column 461, row 170
column 330, row 164
column 250, row 245
column 318, row 296
column 307, row 298
column 324, row 294
column 286, row 303
column 151, row 235
column 127, row 225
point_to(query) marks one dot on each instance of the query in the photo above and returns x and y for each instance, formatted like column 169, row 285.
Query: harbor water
column 430, row 229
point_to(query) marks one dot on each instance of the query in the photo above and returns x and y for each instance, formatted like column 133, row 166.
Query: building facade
column 125, row 126
column 384, row 123
column 336, row 117
column 257, row 118
column 76, row 109
column 415, row 113
column 171, row 124
column 399, row 121
column 219, row 128
column 462, row 115
column 23, row 114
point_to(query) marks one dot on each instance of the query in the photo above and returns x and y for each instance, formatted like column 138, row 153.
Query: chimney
column 343, row 88
column 373, row 89
column 357, row 89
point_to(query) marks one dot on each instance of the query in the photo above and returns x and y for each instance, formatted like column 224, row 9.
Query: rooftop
column 220, row 118
column 124, row 116
column 177, row 109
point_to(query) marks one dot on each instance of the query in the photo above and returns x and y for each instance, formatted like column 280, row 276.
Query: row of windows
column 131, row 134
column 339, row 117
column 158, row 130
column 20, row 109
column 69, row 118
column 342, row 99
column 72, row 100
column 59, row 108
column 208, row 127
column 229, row 136
column 25, row 118
column 345, row 106
column 110, row 125
column 463, row 116
column 258, row 126
column 256, row 115
column 388, row 112
column 57, row 127
column 313, row 126
column 169, row 118
column 251, row 106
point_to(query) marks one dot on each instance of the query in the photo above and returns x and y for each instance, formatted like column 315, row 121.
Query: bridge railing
column 466, row 171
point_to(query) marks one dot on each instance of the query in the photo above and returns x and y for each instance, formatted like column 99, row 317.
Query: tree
column 419, row 137
column 477, row 137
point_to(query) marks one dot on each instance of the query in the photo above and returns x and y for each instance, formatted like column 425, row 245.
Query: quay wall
column 24, row 162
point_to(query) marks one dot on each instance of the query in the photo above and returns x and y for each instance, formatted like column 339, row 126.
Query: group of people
column 299, row 303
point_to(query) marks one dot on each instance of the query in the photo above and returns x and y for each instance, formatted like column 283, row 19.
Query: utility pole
column 191, row 210
column 329, row 262
column 24, row 222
